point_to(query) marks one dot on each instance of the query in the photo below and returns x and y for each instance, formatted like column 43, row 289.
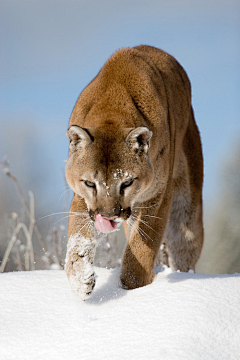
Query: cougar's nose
column 109, row 213
column 109, row 218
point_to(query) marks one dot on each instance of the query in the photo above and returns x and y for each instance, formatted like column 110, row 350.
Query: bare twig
column 32, row 219
column 29, row 209
column 29, row 264
column 6, row 170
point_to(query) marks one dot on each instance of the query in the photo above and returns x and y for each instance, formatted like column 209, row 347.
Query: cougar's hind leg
column 185, row 228
column 184, row 233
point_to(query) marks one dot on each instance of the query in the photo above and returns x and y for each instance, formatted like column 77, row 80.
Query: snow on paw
column 79, row 265
column 82, row 285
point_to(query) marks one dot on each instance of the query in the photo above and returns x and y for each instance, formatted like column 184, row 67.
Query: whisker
column 86, row 220
column 83, row 220
column 131, row 223
column 83, row 226
column 156, row 217
column 79, row 213
column 144, row 207
column 144, row 233
column 65, row 212
column 142, row 229
column 145, row 223
column 140, row 232
column 64, row 187
column 65, row 217
column 63, row 194
column 89, row 227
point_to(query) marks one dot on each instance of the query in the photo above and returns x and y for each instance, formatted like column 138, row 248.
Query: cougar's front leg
column 80, row 250
column 147, row 228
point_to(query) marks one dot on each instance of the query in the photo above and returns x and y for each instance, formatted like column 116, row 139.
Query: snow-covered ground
column 179, row 316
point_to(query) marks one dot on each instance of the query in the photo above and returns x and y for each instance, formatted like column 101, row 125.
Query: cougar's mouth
column 105, row 225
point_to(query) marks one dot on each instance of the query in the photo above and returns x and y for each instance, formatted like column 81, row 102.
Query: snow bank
column 179, row 316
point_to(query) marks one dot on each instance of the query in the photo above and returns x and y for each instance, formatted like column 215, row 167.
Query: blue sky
column 51, row 49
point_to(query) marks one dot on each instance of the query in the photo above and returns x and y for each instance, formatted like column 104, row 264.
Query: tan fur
column 135, row 121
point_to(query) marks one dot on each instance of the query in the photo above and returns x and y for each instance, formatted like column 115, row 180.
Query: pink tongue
column 104, row 225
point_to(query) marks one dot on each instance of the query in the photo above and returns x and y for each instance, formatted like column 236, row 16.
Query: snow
column 179, row 316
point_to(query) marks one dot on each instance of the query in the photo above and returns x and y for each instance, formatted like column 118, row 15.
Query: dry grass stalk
column 29, row 255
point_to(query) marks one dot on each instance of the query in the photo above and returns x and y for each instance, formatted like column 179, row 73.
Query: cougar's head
column 110, row 169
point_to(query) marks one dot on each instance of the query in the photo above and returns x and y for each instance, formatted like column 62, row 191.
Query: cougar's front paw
column 79, row 265
column 82, row 278
column 132, row 280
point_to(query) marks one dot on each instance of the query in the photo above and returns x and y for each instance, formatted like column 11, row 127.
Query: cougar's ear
column 78, row 138
column 139, row 138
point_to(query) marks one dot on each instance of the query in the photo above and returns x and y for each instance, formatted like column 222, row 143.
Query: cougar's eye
column 125, row 185
column 90, row 184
